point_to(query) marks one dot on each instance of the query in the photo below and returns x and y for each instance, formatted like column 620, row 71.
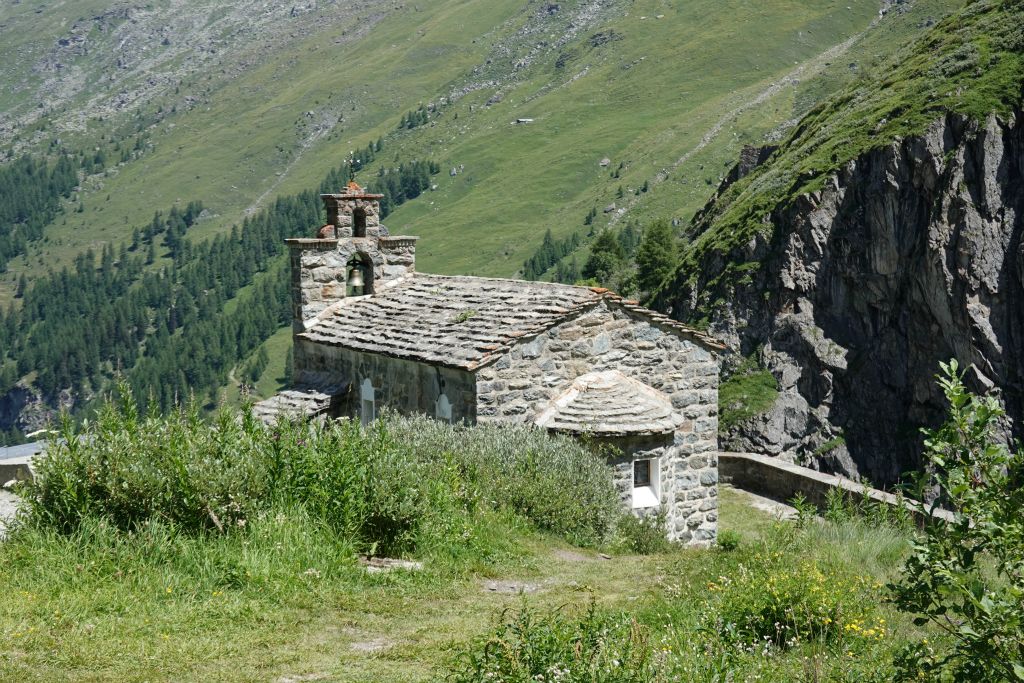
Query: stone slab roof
column 300, row 403
column 456, row 321
column 464, row 322
column 610, row 404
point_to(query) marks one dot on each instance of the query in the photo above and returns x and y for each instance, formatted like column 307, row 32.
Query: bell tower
column 352, row 256
column 354, row 212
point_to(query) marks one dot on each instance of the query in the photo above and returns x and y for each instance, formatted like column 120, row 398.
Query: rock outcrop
column 912, row 254
column 24, row 408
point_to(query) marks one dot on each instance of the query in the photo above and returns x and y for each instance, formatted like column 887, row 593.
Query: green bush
column 966, row 576
column 775, row 600
column 642, row 535
column 388, row 488
column 554, row 481
column 559, row 646
column 728, row 540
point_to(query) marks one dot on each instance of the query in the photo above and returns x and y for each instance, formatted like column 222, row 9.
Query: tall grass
column 794, row 602
column 390, row 488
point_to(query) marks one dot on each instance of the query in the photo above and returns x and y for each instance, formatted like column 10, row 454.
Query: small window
column 367, row 402
column 641, row 473
column 359, row 223
column 646, row 489
column 443, row 409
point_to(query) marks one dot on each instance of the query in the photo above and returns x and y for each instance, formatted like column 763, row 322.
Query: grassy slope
column 971, row 63
column 646, row 100
column 698, row 61
column 89, row 614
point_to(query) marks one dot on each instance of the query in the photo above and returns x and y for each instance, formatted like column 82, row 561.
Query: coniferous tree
column 606, row 257
column 657, row 255
column 629, row 239
column 289, row 370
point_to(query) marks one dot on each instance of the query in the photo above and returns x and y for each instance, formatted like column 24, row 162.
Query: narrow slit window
column 367, row 403
column 443, row 409
column 359, row 223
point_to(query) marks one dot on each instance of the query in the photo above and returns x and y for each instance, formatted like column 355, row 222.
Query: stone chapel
column 369, row 332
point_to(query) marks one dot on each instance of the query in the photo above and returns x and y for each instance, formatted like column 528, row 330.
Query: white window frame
column 367, row 402
column 649, row 495
column 443, row 409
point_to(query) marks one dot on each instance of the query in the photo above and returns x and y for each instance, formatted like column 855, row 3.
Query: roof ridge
column 531, row 283
column 606, row 294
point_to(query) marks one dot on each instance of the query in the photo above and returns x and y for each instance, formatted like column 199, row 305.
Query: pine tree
column 606, row 257
column 289, row 371
column 657, row 255
column 629, row 239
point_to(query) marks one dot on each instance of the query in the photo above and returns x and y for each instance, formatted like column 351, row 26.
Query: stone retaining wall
column 782, row 481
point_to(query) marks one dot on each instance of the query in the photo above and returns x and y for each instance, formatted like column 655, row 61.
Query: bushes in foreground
column 555, row 482
column 778, row 610
column 388, row 488
column 966, row 576
column 561, row 646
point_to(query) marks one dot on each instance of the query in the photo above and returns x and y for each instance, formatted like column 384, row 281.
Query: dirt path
column 378, row 640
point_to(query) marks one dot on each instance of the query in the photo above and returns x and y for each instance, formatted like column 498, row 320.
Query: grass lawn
column 273, row 603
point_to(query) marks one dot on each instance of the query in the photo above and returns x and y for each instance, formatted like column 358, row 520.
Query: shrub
column 559, row 646
column 553, row 481
column 130, row 469
column 642, row 535
column 774, row 600
column 386, row 488
column 728, row 540
column 966, row 576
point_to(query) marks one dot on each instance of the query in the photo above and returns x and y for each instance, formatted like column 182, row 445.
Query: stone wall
column 341, row 208
column 319, row 270
column 611, row 338
column 398, row 257
column 405, row 386
column 782, row 481
column 317, row 277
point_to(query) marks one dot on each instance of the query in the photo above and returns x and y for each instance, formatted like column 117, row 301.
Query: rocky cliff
column 908, row 255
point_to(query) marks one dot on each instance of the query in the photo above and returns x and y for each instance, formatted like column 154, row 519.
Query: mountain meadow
column 243, row 114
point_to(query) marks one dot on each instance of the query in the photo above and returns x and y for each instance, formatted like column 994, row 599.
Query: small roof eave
column 609, row 403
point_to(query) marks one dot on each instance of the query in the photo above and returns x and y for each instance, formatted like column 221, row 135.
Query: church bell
column 355, row 281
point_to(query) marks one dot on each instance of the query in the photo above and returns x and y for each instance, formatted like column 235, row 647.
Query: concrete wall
column 402, row 385
column 609, row 338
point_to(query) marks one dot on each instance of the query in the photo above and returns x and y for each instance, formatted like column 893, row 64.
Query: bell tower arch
column 354, row 212
column 352, row 255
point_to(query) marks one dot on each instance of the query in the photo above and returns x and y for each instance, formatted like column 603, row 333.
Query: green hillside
column 970, row 63
column 233, row 108
column 666, row 76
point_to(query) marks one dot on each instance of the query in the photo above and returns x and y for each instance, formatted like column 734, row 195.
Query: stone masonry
column 584, row 361
column 611, row 337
